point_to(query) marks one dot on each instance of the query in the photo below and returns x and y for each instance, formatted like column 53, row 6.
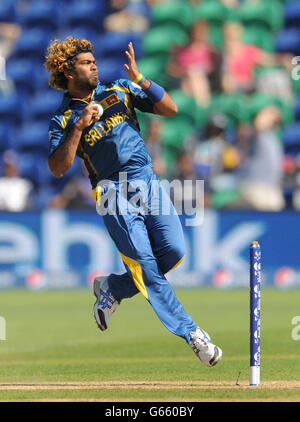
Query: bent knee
column 174, row 258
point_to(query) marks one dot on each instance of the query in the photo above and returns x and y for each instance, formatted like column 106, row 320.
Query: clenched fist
column 89, row 116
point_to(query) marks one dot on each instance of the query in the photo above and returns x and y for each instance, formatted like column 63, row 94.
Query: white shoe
column 207, row 352
column 105, row 304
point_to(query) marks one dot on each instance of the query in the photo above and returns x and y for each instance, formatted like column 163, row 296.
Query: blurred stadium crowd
column 231, row 66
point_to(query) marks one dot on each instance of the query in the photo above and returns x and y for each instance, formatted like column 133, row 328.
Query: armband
column 155, row 92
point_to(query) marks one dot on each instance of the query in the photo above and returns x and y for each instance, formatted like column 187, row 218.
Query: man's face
column 85, row 73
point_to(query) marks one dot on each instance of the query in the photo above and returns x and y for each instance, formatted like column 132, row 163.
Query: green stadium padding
column 296, row 86
column 266, row 12
column 173, row 11
column 216, row 35
column 211, row 10
column 234, row 106
column 187, row 105
column 170, row 155
column 224, row 198
column 154, row 68
column 175, row 131
column 262, row 70
column 259, row 35
column 216, row 14
column 143, row 119
column 161, row 39
column 286, row 107
column 258, row 101
column 202, row 116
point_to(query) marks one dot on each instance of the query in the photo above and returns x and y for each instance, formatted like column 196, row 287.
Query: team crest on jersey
column 110, row 101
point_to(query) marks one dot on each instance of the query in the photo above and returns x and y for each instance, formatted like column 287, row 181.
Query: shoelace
column 107, row 300
column 199, row 341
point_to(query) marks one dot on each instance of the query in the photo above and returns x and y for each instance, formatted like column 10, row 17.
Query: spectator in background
column 245, row 134
column 15, row 191
column 277, row 81
column 240, row 59
column 156, row 2
column 9, row 34
column 296, row 191
column 185, row 173
column 154, row 147
column 261, row 183
column 196, row 65
column 127, row 16
column 231, row 4
column 213, row 155
column 291, row 181
column 76, row 193
column 209, row 149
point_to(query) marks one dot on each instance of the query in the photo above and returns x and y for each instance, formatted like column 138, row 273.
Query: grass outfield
column 54, row 350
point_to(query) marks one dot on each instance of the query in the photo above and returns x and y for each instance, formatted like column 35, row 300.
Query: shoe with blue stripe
column 207, row 352
column 105, row 304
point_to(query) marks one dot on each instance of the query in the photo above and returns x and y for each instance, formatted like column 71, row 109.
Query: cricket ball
column 100, row 109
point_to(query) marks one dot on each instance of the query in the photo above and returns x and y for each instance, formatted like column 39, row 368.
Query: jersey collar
column 87, row 99
column 67, row 98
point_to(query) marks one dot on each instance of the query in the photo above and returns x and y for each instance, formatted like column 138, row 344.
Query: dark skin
column 81, row 83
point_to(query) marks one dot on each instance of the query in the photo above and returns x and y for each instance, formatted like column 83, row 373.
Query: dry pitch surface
column 160, row 385
column 113, row 392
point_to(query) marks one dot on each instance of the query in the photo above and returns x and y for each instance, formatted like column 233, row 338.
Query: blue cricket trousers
column 147, row 232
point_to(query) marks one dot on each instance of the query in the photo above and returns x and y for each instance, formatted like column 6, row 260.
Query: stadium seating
column 265, row 13
column 10, row 110
column 8, row 11
column 291, row 139
column 139, row 8
column 59, row 184
column 161, row 39
column 83, row 31
column 211, row 10
column 114, row 44
column 111, row 69
column 42, row 14
column 154, row 67
column 89, row 13
column 297, row 109
column 225, row 197
column 44, row 194
column 292, row 14
column 288, row 40
column 173, row 11
column 234, row 106
column 175, row 130
column 32, row 44
column 259, row 36
column 41, row 78
column 8, row 138
column 186, row 104
column 43, row 105
column 216, row 14
column 273, row 25
column 23, row 73
column 35, row 137
column 33, row 167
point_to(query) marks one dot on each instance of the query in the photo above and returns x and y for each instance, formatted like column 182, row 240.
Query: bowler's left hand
column 131, row 68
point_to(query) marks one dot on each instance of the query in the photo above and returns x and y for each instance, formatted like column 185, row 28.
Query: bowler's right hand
column 89, row 116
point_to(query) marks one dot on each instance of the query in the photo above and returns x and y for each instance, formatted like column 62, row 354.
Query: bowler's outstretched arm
column 166, row 106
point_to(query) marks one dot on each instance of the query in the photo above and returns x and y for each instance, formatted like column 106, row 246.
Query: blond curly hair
column 62, row 56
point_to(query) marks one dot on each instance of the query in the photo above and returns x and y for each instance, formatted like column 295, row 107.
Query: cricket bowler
column 98, row 123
